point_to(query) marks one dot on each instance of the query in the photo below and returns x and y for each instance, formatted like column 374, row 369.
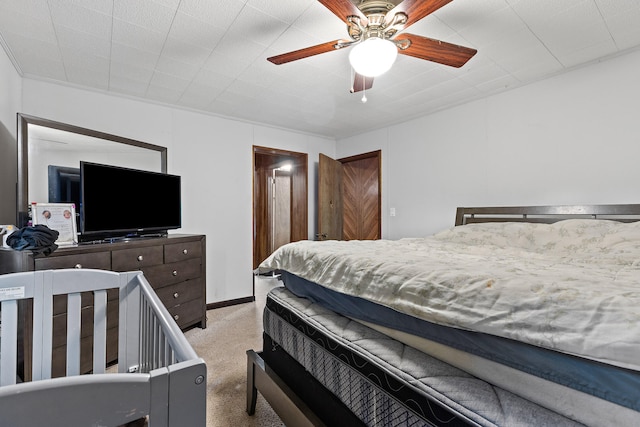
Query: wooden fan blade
column 436, row 50
column 361, row 83
column 306, row 52
column 344, row 8
column 416, row 9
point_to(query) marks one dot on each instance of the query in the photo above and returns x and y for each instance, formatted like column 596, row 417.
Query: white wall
column 213, row 155
column 10, row 90
column 570, row 139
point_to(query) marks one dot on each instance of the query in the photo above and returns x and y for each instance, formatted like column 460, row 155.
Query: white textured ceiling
column 210, row 55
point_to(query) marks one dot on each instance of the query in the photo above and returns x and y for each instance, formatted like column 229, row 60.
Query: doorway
column 279, row 200
column 349, row 197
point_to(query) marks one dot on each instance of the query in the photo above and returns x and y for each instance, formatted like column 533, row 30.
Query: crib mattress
column 385, row 382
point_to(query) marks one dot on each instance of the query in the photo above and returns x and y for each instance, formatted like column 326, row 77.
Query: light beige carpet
column 230, row 332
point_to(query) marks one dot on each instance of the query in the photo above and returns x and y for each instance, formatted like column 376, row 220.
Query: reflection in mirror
column 49, row 158
column 52, row 148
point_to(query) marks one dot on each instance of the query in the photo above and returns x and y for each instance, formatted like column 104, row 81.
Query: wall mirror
column 50, row 152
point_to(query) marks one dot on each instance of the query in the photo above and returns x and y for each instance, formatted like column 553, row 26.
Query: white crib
column 159, row 377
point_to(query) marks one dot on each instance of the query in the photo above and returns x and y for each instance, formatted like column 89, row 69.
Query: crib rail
column 159, row 373
column 152, row 338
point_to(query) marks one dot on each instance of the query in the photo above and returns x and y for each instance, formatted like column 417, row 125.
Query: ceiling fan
column 377, row 25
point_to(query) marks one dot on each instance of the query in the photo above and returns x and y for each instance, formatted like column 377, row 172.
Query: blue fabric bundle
column 38, row 238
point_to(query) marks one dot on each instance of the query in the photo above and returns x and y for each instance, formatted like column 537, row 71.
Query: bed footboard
column 159, row 374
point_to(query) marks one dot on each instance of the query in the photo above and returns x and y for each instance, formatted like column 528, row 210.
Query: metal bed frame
column 546, row 214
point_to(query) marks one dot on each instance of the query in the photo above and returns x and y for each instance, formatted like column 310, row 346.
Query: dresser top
column 115, row 245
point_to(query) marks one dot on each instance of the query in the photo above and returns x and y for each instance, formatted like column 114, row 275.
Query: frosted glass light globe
column 373, row 57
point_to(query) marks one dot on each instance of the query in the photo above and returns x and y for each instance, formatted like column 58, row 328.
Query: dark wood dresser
column 174, row 266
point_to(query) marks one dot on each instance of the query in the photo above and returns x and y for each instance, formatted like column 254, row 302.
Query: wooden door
column 349, row 197
column 329, row 199
column 361, row 198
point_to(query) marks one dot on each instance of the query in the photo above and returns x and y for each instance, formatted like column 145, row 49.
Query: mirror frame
column 24, row 120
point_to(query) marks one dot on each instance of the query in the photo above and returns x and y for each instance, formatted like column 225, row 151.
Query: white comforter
column 572, row 286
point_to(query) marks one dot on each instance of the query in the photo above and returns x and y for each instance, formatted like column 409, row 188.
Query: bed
column 514, row 316
column 159, row 379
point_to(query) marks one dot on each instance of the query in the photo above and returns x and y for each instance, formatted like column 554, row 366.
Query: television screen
column 121, row 202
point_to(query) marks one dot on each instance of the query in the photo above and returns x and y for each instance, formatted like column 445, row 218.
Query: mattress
column 385, row 382
column 590, row 391
column 570, row 287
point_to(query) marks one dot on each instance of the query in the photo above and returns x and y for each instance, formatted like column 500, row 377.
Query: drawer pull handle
column 185, row 251
column 78, row 266
column 140, row 258
column 174, row 272
column 176, row 295
column 176, row 317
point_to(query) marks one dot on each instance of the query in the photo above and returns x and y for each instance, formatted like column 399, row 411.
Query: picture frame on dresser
column 60, row 217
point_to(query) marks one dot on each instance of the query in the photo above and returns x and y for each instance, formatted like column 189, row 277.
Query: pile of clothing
column 39, row 239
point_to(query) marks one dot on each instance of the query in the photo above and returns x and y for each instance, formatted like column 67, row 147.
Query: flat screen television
column 118, row 202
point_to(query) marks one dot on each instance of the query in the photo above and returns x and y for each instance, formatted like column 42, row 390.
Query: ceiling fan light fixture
column 373, row 57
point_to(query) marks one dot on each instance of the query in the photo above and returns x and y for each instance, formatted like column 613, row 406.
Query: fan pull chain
column 364, row 93
column 352, row 74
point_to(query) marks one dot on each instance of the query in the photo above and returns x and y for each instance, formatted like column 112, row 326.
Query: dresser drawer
column 60, row 301
column 136, row 258
column 180, row 293
column 59, row 323
column 179, row 251
column 98, row 260
column 188, row 313
column 176, row 272
column 59, row 354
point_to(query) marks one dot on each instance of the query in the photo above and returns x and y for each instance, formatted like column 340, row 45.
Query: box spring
column 380, row 380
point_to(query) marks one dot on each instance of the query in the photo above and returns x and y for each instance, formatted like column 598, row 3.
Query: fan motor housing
column 369, row 7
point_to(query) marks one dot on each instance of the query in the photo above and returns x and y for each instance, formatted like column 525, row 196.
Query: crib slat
column 99, row 332
column 9, row 359
column 42, row 330
column 154, row 345
column 145, row 336
column 74, row 307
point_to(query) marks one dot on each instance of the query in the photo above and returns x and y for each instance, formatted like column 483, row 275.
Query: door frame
column 377, row 154
column 336, row 190
column 264, row 159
